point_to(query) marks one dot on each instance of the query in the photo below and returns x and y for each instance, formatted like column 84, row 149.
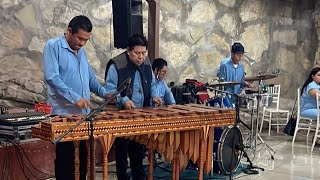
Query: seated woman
column 309, row 92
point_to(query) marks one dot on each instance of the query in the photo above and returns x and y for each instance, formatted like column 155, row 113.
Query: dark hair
column 80, row 22
column 159, row 63
column 237, row 48
column 313, row 72
column 137, row 40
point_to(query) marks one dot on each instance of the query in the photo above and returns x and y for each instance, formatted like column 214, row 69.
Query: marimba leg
column 106, row 142
column 105, row 166
column 176, row 165
column 76, row 160
column 202, row 146
column 88, row 160
column 150, row 158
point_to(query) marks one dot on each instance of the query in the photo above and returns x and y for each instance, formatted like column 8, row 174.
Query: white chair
column 317, row 135
column 269, row 111
column 303, row 123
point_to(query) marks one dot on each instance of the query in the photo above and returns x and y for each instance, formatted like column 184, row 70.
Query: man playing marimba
column 70, row 79
column 135, row 64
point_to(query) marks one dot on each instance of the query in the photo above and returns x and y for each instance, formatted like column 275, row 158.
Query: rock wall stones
column 194, row 36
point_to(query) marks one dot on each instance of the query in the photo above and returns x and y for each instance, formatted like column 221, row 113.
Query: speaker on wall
column 127, row 20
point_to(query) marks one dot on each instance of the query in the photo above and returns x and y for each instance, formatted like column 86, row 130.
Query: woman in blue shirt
column 309, row 92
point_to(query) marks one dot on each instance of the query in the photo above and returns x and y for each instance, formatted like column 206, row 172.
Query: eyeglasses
column 137, row 53
column 164, row 72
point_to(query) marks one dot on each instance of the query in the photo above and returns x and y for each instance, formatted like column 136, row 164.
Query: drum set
column 229, row 141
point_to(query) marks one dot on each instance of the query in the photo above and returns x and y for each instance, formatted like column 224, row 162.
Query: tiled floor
column 289, row 162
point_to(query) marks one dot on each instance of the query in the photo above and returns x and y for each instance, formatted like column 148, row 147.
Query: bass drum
column 223, row 149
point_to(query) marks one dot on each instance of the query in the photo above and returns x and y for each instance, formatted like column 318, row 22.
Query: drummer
column 232, row 70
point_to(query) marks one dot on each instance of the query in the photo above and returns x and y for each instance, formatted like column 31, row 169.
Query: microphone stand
column 89, row 117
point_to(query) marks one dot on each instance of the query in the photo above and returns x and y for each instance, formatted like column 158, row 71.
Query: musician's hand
column 248, row 84
column 108, row 96
column 157, row 100
column 129, row 105
column 82, row 104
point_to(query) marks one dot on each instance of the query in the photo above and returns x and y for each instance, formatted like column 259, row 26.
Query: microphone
column 249, row 60
column 124, row 85
column 128, row 89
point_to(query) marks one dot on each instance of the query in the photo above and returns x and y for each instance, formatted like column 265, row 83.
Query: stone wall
column 317, row 29
column 194, row 36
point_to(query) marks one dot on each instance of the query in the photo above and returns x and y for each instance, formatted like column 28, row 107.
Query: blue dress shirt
column 69, row 77
column 137, row 91
column 308, row 103
column 229, row 72
column 164, row 93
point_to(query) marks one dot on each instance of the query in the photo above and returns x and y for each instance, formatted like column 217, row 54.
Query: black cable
column 19, row 157
column 8, row 165
column 23, row 165
column 20, row 163
column 5, row 162
column 25, row 155
column 23, row 161
column 25, row 169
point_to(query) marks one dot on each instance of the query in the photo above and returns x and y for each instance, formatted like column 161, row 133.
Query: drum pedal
column 250, row 171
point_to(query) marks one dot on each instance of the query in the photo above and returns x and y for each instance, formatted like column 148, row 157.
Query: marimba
column 179, row 133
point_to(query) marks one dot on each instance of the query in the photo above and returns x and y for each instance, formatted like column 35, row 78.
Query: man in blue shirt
column 133, row 64
column 232, row 70
column 160, row 70
column 70, row 79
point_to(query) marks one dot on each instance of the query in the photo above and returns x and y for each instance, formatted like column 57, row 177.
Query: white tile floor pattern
column 295, row 163
column 289, row 162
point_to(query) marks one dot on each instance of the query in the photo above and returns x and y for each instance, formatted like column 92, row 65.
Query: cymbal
column 225, row 84
column 260, row 77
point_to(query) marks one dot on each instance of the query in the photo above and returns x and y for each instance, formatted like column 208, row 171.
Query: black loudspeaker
column 127, row 20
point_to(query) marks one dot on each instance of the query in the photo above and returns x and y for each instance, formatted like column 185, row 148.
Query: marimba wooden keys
column 179, row 133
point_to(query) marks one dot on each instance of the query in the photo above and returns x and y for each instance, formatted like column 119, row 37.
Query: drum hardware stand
column 270, row 150
column 250, row 168
column 239, row 146
column 89, row 117
column 251, row 134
